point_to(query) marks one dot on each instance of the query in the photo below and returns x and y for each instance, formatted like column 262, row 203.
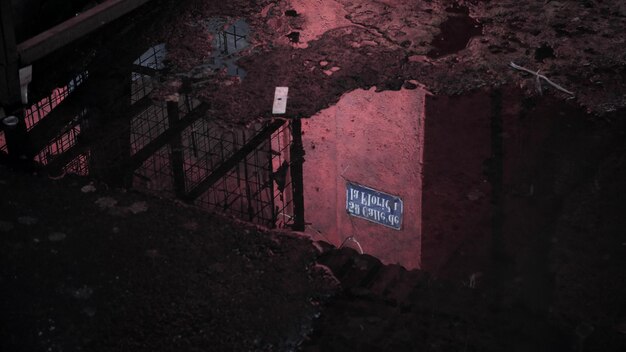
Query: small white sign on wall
column 280, row 100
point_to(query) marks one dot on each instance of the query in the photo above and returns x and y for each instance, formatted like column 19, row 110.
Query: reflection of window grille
column 153, row 57
column 226, row 39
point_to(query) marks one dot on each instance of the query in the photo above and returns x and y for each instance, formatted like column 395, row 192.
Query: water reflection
column 171, row 147
column 229, row 41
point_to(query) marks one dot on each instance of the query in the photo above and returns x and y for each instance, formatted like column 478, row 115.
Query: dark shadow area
column 512, row 191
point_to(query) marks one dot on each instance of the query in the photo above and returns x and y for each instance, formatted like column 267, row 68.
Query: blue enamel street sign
column 375, row 206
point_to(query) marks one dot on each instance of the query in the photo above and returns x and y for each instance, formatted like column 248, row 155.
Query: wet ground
column 450, row 47
column 88, row 268
column 522, row 249
column 523, row 234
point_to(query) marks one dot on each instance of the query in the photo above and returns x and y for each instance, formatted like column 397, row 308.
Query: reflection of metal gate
column 177, row 150
column 242, row 171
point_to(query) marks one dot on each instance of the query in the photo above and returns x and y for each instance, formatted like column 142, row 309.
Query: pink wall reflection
column 374, row 139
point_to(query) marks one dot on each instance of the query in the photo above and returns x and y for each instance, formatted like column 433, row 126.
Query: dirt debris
column 377, row 43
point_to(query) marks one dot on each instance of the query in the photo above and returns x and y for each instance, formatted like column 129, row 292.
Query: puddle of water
column 455, row 33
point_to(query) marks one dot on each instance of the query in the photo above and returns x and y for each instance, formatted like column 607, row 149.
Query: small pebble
column 88, row 188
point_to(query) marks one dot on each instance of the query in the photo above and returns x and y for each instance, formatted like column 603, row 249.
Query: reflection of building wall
column 373, row 139
column 456, row 195
column 496, row 169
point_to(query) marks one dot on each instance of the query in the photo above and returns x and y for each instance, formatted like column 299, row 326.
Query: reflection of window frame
column 223, row 39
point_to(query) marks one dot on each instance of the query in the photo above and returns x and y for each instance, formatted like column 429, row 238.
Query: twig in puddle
column 539, row 78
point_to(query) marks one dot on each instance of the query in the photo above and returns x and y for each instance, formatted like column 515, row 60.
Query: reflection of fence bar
column 145, row 70
column 297, row 159
column 235, row 159
column 176, row 152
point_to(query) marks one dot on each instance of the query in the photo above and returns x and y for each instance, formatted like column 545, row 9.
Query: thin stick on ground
column 536, row 74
